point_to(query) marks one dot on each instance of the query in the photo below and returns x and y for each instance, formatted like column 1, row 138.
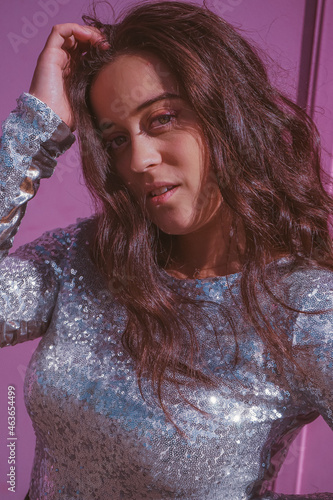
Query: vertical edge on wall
column 307, row 52
column 306, row 83
column 306, row 96
column 301, row 458
column 314, row 70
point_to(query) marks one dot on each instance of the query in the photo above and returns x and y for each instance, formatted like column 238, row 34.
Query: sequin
column 97, row 438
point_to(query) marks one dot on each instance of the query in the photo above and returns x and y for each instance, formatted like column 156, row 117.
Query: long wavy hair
column 264, row 151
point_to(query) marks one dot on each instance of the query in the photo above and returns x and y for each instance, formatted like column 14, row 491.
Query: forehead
column 130, row 80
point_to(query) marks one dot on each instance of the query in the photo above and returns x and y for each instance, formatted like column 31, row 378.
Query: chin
column 174, row 228
column 177, row 222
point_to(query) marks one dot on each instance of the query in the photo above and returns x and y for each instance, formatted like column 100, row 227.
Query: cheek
column 202, row 178
column 210, row 198
column 126, row 177
column 123, row 172
column 130, row 181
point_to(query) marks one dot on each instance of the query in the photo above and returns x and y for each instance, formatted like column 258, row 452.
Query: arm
column 312, row 347
column 312, row 342
column 33, row 137
column 39, row 129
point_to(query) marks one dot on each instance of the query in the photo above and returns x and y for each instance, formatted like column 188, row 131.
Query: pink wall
column 276, row 26
column 308, row 467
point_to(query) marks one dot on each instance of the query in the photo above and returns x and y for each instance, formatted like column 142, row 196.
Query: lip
column 162, row 198
column 156, row 185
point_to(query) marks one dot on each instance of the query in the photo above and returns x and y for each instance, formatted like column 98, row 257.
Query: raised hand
column 48, row 79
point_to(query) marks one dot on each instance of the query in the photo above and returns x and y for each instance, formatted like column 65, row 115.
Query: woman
column 187, row 325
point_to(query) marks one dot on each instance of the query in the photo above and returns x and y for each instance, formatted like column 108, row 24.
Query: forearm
column 33, row 137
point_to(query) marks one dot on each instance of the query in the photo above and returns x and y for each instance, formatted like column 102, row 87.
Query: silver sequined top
column 97, row 438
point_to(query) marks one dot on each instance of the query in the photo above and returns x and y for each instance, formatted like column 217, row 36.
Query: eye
column 116, row 142
column 162, row 120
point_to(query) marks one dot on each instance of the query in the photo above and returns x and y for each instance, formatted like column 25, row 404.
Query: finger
column 69, row 43
column 88, row 34
column 63, row 32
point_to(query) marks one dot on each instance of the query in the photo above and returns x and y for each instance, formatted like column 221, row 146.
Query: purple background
column 275, row 26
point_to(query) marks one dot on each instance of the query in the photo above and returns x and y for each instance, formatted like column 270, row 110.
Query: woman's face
column 156, row 142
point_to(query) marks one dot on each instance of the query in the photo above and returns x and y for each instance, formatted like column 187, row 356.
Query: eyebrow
column 161, row 97
column 146, row 104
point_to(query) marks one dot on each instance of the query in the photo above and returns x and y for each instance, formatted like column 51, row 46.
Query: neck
column 208, row 251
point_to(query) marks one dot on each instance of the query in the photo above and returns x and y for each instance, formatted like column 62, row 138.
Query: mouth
column 160, row 191
column 162, row 194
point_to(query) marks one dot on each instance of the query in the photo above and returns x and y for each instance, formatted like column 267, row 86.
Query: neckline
column 211, row 279
column 214, row 279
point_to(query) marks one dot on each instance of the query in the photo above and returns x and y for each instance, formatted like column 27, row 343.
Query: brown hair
column 263, row 149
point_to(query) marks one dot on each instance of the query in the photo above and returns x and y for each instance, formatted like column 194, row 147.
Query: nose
column 145, row 153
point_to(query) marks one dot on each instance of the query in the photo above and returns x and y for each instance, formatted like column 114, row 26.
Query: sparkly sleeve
column 312, row 341
column 33, row 137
